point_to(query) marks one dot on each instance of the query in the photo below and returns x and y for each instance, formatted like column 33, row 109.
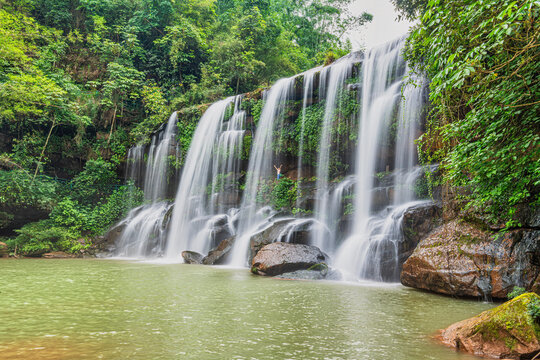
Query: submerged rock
column 278, row 258
column 317, row 272
column 505, row 332
column 192, row 257
column 460, row 259
column 220, row 253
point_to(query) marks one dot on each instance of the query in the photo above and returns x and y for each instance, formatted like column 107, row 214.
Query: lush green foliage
column 516, row 291
column 83, row 80
column 482, row 58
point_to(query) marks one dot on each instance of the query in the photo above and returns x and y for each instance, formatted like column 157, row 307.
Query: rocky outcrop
column 108, row 241
column 219, row 255
column 192, row 257
column 278, row 258
column 505, row 332
column 418, row 221
column 461, row 259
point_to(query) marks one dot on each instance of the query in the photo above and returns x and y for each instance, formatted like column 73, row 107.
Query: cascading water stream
column 191, row 204
column 260, row 166
column 371, row 252
column 332, row 83
column 308, row 95
column 144, row 232
column 227, row 160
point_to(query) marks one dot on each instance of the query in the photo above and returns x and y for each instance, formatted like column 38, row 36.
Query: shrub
column 516, row 291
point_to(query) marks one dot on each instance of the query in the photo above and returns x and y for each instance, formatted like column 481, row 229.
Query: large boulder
column 418, row 221
column 290, row 230
column 192, row 257
column 219, row 254
column 460, row 259
column 505, row 332
column 278, row 258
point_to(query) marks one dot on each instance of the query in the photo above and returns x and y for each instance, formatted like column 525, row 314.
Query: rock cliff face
column 505, row 332
column 459, row 259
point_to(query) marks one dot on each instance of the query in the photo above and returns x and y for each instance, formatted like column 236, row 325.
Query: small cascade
column 144, row 232
column 191, row 206
column 308, row 96
column 227, row 161
column 260, row 166
column 371, row 252
column 332, row 83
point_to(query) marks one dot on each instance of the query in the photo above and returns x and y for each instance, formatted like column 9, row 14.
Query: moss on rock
column 507, row 331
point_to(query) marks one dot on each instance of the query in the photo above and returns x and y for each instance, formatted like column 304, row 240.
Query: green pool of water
column 106, row 309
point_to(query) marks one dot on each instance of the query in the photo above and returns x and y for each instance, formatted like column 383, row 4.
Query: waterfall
column 191, row 204
column 357, row 212
column 371, row 252
column 260, row 167
column 332, row 84
column 308, row 95
column 227, row 160
column 144, row 231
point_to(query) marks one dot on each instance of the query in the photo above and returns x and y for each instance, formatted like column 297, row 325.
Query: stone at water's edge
column 505, row 332
column 460, row 259
column 278, row 258
column 3, row 250
column 192, row 257
column 219, row 254
column 58, row 255
column 272, row 233
column 418, row 222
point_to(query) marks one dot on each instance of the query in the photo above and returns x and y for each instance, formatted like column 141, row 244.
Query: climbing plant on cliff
column 482, row 58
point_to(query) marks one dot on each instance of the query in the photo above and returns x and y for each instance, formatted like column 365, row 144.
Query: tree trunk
column 44, row 147
column 112, row 124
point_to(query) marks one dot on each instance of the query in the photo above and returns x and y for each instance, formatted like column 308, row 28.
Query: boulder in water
column 192, row 257
column 418, row 222
column 459, row 259
column 219, row 254
column 505, row 332
column 278, row 258
column 299, row 234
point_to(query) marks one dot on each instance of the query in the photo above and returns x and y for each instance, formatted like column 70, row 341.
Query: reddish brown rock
column 58, row 255
column 505, row 332
column 3, row 250
column 460, row 259
column 278, row 258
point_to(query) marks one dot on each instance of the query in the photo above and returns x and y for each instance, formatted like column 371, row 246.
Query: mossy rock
column 507, row 331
